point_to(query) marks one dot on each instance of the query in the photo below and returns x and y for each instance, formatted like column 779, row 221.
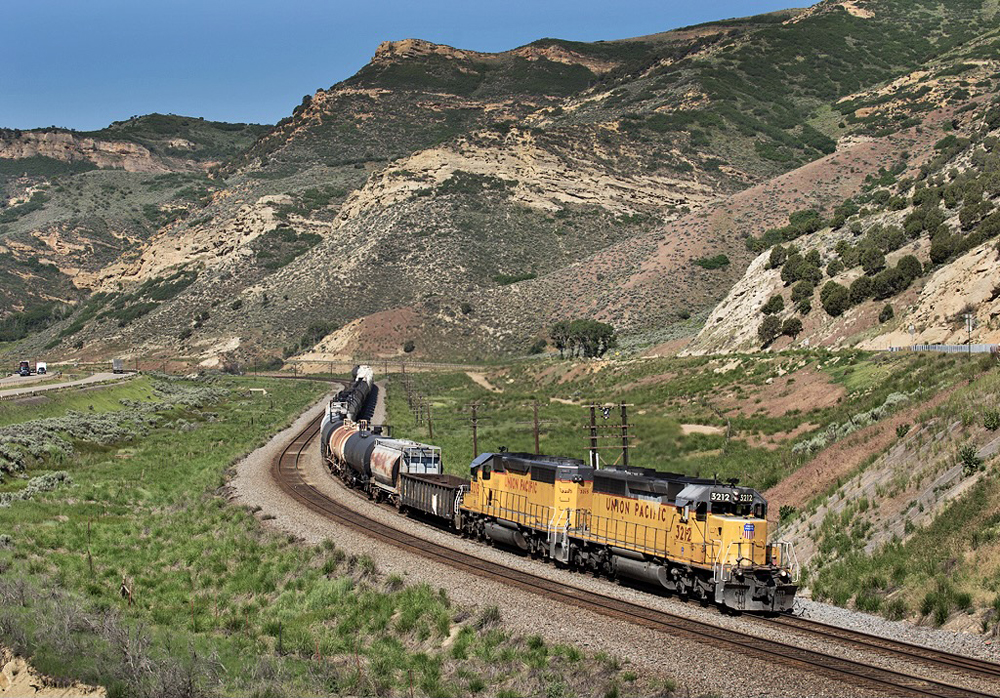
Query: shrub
column 786, row 512
column 719, row 261
column 792, row 327
column 872, row 260
column 774, row 305
column 802, row 290
column 778, row 256
column 968, row 456
column 942, row 245
column 991, row 420
column 409, row 346
column 886, row 314
column 805, row 307
column 834, row 267
column 896, row 609
column 861, row 289
column 835, row 299
column 910, row 267
column 902, row 430
column 769, row 330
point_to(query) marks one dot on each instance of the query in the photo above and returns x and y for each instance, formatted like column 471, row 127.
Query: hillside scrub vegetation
column 585, row 338
column 215, row 603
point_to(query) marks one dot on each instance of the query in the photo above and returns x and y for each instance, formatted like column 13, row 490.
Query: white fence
column 952, row 348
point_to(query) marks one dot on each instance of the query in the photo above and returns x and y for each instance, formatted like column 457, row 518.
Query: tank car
column 375, row 464
column 346, row 405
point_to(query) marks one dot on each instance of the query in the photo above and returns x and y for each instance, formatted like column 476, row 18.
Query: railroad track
column 285, row 469
column 896, row 648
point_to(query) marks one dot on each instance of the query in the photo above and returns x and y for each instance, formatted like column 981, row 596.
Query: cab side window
column 701, row 511
column 486, row 471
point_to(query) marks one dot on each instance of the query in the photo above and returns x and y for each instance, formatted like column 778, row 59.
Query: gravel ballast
column 696, row 667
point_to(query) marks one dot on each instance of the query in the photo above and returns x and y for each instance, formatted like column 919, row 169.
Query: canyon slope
column 460, row 202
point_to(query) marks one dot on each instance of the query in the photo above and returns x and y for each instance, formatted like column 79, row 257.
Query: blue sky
column 85, row 63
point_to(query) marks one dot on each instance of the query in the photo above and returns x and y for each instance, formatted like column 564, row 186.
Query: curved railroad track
column 286, row 471
column 895, row 648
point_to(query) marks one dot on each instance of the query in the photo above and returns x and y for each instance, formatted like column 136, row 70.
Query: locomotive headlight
column 783, row 573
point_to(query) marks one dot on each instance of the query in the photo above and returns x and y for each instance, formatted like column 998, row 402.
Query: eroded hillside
column 484, row 196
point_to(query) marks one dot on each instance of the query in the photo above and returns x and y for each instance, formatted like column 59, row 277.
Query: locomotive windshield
column 744, row 509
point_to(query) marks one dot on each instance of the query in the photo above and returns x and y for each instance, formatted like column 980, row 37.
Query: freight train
column 695, row 537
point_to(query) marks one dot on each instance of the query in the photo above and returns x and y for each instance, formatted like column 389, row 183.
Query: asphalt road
column 29, row 389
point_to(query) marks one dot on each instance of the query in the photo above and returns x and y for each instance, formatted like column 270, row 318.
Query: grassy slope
column 947, row 566
column 214, row 591
column 666, row 393
column 103, row 399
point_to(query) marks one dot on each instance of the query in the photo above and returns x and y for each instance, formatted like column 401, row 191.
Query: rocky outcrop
column 211, row 245
column 970, row 284
column 408, row 49
column 537, row 177
column 70, row 147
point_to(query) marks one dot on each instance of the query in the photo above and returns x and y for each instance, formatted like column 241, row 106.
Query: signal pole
column 622, row 429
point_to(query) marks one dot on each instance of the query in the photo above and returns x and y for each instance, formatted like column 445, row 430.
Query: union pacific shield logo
column 748, row 531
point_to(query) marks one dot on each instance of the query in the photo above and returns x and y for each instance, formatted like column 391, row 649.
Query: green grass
column 218, row 600
column 665, row 393
column 92, row 399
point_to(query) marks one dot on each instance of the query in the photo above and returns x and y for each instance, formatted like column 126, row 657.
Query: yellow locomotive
column 693, row 536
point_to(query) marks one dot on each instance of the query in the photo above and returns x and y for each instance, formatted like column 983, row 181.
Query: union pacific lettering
column 639, row 509
column 521, row 484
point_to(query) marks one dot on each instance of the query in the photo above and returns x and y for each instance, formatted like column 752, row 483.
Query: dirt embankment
column 843, row 457
column 18, row 678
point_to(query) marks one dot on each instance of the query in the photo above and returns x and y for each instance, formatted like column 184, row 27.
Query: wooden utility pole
column 535, row 422
column 430, row 422
column 474, row 421
column 623, row 432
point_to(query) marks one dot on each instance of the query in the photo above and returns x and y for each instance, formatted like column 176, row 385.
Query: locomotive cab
column 746, row 572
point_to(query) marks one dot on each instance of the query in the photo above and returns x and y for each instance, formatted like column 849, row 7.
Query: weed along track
column 287, row 471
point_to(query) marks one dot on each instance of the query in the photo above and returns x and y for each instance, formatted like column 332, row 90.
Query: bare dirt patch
column 772, row 441
column 671, row 348
column 18, row 678
column 701, row 429
column 804, row 390
column 843, row 457
column 481, row 380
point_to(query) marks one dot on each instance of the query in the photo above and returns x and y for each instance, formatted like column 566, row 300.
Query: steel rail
column 286, row 472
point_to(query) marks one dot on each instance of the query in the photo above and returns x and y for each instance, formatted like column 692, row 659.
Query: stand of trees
column 583, row 337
